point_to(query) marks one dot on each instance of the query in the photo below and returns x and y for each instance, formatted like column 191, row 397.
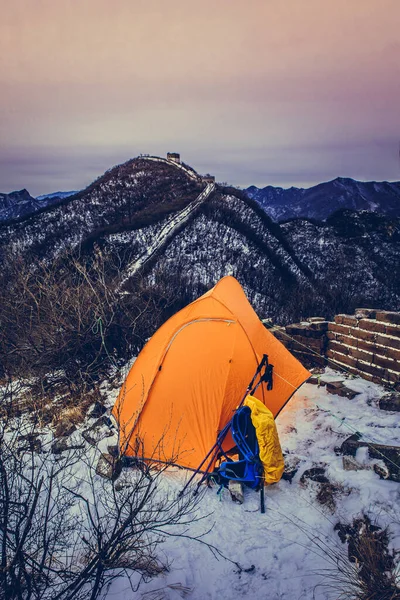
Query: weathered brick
column 342, row 358
column 362, row 334
column 387, row 363
column 365, row 313
column 392, row 353
column 347, row 339
column 388, row 341
column 372, row 325
column 361, row 354
column 280, row 335
column 371, row 369
column 392, row 377
column 321, row 326
column 338, row 347
column 365, row 345
column 302, row 330
column 331, row 335
column 393, row 330
column 337, row 328
column 389, row 454
column 388, row 317
column 296, row 328
column 350, row 320
column 346, row 320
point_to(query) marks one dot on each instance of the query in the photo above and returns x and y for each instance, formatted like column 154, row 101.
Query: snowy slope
column 288, row 544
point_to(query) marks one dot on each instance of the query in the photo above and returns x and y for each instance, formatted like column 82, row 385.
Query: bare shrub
column 66, row 533
column 64, row 323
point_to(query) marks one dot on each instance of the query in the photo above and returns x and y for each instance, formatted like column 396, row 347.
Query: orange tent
column 189, row 378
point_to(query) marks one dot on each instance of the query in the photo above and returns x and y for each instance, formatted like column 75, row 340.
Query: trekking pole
column 262, row 497
column 222, row 435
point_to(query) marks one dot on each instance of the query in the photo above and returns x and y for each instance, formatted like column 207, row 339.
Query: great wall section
column 366, row 344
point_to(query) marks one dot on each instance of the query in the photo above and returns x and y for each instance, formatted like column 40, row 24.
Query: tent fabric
column 189, row 378
column 268, row 441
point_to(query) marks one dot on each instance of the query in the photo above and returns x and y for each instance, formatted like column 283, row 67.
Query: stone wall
column 366, row 343
column 306, row 340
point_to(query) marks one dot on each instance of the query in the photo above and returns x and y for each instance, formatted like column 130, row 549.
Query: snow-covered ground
column 283, row 554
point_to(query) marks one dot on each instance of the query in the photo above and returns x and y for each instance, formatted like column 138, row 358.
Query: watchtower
column 174, row 156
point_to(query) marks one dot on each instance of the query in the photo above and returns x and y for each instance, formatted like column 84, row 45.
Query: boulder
column 109, row 467
column 390, row 401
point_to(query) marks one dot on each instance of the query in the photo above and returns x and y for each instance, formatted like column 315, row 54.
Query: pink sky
column 281, row 92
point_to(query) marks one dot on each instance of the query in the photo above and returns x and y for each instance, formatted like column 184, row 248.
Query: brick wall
column 366, row 343
column 306, row 340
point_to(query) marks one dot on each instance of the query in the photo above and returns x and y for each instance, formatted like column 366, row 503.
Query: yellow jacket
column 268, row 440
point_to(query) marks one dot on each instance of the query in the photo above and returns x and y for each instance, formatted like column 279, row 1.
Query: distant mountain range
column 322, row 200
column 57, row 195
column 161, row 224
column 281, row 204
column 19, row 204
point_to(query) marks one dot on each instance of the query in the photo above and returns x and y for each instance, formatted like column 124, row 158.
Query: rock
column 61, row 445
column 316, row 380
column 390, row 402
column 97, row 411
column 381, row 470
column 339, row 388
column 314, row 474
column 113, row 450
column 108, row 467
column 98, row 431
column 64, row 428
column 315, row 319
column 236, row 491
column 351, row 464
column 29, row 443
column 390, row 455
column 291, row 467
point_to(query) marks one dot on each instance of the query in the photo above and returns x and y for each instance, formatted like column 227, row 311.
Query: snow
column 284, row 553
column 287, row 545
column 167, row 231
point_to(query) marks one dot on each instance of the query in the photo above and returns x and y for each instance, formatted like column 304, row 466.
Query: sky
column 263, row 92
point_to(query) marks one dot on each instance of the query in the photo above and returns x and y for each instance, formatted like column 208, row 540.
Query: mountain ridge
column 321, row 200
column 289, row 270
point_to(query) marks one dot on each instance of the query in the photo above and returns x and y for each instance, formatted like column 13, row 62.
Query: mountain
column 159, row 224
column 54, row 195
column 320, row 201
column 18, row 204
column 21, row 204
